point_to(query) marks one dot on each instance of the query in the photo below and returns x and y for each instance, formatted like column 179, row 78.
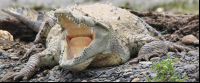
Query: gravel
column 124, row 73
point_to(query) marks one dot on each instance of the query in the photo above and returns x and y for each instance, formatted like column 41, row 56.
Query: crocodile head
column 83, row 38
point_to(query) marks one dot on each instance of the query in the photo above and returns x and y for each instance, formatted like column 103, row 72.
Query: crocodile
column 81, row 36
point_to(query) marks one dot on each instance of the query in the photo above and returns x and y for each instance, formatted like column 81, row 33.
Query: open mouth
column 77, row 36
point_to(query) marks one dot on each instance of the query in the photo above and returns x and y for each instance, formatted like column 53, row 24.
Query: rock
column 10, row 50
column 190, row 68
column 77, row 80
column 2, row 57
column 16, row 68
column 142, row 79
column 3, row 52
column 154, row 58
column 84, row 81
column 145, row 66
column 171, row 53
column 127, row 70
column 69, row 76
column 196, row 75
column 13, row 55
column 15, row 58
column 146, row 62
column 7, row 66
column 183, row 75
column 51, row 78
column 179, row 70
column 193, row 53
column 144, row 73
column 153, row 75
column 183, row 53
column 45, row 72
column 6, row 35
column 108, row 73
column 41, row 79
column 135, row 80
column 2, row 66
column 127, row 74
column 190, row 39
column 187, row 58
column 138, row 76
column 39, row 76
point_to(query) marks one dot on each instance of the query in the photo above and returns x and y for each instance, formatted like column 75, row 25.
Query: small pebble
column 13, row 55
column 17, row 68
column 69, row 76
column 190, row 39
column 2, row 66
column 126, row 74
column 193, row 53
column 84, row 81
column 15, row 58
column 187, row 58
column 10, row 50
column 146, row 62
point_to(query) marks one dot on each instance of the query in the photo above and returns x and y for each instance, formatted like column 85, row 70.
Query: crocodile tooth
column 92, row 31
column 57, row 20
column 61, row 14
column 66, row 33
column 79, row 25
column 67, row 16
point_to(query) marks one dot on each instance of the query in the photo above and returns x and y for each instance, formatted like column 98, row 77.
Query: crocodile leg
column 40, row 38
column 150, row 50
column 35, row 61
column 48, row 57
column 149, row 47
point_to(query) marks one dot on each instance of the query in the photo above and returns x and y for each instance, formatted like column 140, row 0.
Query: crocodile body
column 84, row 36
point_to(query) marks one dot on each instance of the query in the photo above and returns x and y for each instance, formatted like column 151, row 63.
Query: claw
column 17, row 77
column 8, row 77
column 27, row 54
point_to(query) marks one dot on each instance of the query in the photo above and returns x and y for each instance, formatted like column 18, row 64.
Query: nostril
column 86, row 14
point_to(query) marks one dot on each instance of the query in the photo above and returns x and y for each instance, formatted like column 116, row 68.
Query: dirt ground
column 172, row 26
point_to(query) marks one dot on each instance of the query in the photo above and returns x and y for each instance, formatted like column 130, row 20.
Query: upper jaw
column 84, row 19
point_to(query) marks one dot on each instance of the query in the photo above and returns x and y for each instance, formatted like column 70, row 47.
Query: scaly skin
column 116, row 36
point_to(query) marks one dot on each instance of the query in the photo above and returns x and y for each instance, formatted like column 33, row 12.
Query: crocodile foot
column 151, row 50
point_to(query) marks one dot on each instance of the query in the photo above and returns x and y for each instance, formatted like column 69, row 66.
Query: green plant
column 165, row 71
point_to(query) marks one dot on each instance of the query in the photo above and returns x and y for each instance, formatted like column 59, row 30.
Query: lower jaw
column 80, row 66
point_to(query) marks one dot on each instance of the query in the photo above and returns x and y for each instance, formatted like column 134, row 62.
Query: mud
column 176, row 26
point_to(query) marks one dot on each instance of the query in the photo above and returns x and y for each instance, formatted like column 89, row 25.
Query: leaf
column 181, row 80
column 169, row 56
column 163, row 61
column 155, row 78
column 163, row 77
column 176, row 59
column 185, row 78
column 179, row 74
column 148, row 79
